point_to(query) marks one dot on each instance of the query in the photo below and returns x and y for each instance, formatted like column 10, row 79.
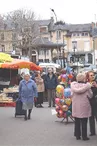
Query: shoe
column 86, row 138
column 29, row 117
column 92, row 134
column 78, row 138
column 41, row 106
column 25, row 118
column 49, row 106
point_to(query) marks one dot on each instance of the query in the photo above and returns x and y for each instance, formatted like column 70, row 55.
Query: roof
column 60, row 27
column 80, row 27
column 43, row 22
column 45, row 43
column 73, row 27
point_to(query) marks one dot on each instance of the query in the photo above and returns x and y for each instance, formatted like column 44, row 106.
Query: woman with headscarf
column 81, row 108
column 27, row 93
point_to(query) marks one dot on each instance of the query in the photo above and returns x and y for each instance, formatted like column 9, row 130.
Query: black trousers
column 81, row 127
column 29, row 112
column 92, row 125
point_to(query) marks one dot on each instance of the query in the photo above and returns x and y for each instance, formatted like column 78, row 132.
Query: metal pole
column 94, row 51
column 30, row 50
column 63, row 53
column 74, row 53
column 57, row 33
column 63, row 58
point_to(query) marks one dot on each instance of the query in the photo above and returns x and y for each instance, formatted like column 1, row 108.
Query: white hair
column 81, row 77
column 27, row 74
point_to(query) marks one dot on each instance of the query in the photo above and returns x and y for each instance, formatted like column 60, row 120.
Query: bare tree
column 25, row 28
column 1, row 22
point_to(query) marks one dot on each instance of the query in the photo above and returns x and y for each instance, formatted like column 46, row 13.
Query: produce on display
column 11, row 89
column 5, row 99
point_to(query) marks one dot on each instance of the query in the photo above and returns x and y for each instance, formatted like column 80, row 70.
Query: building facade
column 6, row 41
column 78, row 40
column 49, row 44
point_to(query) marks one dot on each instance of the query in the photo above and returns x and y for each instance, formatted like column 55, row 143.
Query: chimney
column 93, row 24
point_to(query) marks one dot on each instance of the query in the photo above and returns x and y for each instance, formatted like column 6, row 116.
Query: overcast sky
column 70, row 11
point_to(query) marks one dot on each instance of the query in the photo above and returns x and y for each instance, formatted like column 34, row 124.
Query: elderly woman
column 91, row 79
column 81, row 108
column 40, row 87
column 27, row 92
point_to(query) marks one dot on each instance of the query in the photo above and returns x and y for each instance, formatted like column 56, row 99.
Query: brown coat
column 40, row 84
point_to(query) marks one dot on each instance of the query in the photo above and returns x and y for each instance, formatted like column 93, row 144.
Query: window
column 83, row 34
column 78, row 34
column 2, row 36
column 43, row 29
column 46, row 60
column 74, row 45
column 24, row 52
column 86, row 46
column 86, row 33
column 90, row 58
column 34, row 52
column 58, row 34
column 14, row 36
column 74, row 34
column 14, row 46
column 47, row 52
column 40, row 60
column 41, row 52
column 3, row 48
column 23, row 41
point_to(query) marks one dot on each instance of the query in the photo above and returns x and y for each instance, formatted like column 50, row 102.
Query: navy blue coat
column 50, row 83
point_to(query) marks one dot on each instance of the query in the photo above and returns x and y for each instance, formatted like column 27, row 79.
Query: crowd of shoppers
column 84, row 97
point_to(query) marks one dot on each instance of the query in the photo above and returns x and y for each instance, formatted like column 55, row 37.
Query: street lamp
column 54, row 13
column 57, row 32
column 63, row 52
column 94, row 50
column 74, row 48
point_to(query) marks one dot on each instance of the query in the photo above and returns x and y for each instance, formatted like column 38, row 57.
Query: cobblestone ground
column 41, row 130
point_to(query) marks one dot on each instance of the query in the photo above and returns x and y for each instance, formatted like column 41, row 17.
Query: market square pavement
column 42, row 130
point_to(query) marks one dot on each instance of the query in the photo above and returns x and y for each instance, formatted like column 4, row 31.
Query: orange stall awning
column 20, row 64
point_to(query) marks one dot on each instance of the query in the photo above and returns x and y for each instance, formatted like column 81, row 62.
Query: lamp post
column 63, row 52
column 57, row 33
column 74, row 53
column 94, row 50
column 54, row 14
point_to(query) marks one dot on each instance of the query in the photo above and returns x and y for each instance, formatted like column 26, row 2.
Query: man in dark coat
column 50, row 84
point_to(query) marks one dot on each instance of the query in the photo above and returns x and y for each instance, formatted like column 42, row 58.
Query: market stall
column 9, row 70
